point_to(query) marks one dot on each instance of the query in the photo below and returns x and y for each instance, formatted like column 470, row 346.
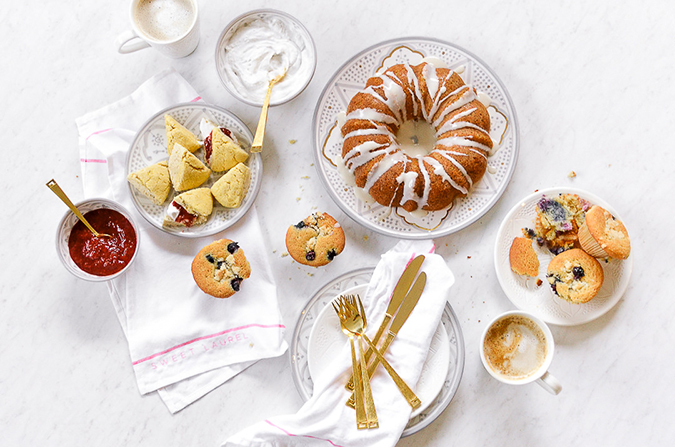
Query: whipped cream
column 172, row 211
column 260, row 48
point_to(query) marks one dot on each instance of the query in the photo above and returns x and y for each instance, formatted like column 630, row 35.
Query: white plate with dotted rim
column 541, row 301
column 352, row 76
column 310, row 314
column 326, row 338
column 149, row 147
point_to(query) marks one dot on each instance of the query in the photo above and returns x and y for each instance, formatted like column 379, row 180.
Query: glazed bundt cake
column 402, row 93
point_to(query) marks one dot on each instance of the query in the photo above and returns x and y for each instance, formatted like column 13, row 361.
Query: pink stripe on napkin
column 264, row 326
column 303, row 436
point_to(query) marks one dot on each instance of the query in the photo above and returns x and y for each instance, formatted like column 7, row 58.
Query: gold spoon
column 262, row 122
column 62, row 195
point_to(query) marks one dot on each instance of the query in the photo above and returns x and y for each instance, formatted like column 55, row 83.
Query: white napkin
column 182, row 342
column 324, row 420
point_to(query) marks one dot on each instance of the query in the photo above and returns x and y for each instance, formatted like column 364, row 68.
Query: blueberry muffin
column 220, row 267
column 575, row 276
column 523, row 259
column 558, row 221
column 602, row 235
column 315, row 241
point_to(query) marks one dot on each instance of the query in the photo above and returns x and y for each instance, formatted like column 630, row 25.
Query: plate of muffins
column 190, row 171
column 563, row 254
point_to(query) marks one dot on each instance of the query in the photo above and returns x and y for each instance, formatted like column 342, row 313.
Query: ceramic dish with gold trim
column 396, row 222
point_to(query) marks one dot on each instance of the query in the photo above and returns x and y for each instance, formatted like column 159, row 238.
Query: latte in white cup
column 169, row 26
column 164, row 20
column 517, row 348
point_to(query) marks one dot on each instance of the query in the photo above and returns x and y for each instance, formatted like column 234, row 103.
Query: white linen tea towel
column 324, row 420
column 182, row 342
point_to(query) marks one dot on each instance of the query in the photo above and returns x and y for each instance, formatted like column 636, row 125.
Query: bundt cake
column 403, row 93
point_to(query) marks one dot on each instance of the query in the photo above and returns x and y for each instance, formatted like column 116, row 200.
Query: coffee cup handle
column 128, row 42
column 550, row 383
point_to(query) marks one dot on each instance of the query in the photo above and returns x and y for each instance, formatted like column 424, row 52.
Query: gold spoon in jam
column 262, row 122
column 62, row 195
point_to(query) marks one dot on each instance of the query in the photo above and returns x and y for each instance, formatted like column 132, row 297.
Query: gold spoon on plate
column 62, row 195
column 262, row 122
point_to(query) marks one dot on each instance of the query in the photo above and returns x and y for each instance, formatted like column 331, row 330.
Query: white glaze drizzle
column 392, row 93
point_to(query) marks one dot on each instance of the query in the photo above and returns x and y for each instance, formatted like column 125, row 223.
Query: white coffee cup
column 169, row 26
column 534, row 350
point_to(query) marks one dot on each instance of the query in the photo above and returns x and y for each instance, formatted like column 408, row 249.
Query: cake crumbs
column 284, row 254
column 468, row 257
column 305, row 177
column 365, row 238
column 292, row 141
column 274, row 251
column 310, row 274
column 297, row 199
column 572, row 174
column 312, row 164
column 539, row 282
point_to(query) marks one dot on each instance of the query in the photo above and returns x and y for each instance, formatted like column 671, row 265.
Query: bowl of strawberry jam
column 97, row 258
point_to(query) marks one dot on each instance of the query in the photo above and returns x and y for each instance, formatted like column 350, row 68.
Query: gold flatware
column 262, row 122
column 361, row 419
column 400, row 292
column 355, row 321
column 62, row 195
column 402, row 315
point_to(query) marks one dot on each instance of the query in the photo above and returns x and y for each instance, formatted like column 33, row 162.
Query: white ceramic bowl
column 225, row 37
column 66, row 225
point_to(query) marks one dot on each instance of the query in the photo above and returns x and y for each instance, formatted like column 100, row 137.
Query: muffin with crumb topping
column 602, row 235
column 575, row 276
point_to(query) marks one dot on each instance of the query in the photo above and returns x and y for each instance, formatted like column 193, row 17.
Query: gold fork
column 366, row 416
column 356, row 323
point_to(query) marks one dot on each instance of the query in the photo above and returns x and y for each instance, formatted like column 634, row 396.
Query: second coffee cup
column 517, row 348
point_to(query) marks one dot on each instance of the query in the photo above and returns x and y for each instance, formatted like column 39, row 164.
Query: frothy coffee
column 515, row 347
column 164, row 20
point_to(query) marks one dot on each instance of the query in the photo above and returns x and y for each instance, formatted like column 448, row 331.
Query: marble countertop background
column 593, row 86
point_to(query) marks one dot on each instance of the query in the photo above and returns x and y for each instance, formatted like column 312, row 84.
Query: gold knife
column 402, row 315
column 400, row 292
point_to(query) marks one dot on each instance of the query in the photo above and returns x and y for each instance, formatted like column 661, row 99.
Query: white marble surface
column 593, row 86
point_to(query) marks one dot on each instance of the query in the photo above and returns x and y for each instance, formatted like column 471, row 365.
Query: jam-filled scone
column 220, row 267
column 189, row 209
column 176, row 133
column 152, row 181
column 221, row 149
column 575, row 276
column 315, row 241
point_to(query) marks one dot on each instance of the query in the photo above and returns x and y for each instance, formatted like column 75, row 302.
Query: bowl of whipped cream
column 258, row 46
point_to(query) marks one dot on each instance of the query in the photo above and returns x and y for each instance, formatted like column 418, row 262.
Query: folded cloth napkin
column 324, row 420
column 182, row 342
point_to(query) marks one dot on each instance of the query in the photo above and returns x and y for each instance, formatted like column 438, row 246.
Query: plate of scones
column 190, row 170
column 563, row 254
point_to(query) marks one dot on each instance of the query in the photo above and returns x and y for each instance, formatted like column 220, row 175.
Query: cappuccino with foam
column 515, row 347
column 164, row 20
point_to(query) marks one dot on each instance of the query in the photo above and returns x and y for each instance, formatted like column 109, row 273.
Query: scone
column 575, row 276
column 220, row 267
column 189, row 209
column 176, row 133
column 231, row 188
column 221, row 150
column 315, row 241
column 522, row 257
column 186, row 170
column 602, row 235
column 153, row 182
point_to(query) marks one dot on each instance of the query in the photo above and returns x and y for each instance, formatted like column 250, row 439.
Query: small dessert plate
column 149, row 147
column 327, row 337
column 540, row 300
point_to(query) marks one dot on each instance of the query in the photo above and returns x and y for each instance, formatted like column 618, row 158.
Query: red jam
column 184, row 217
column 102, row 256
column 207, row 143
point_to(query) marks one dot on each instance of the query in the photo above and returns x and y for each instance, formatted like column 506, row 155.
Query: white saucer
column 326, row 338
column 541, row 301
